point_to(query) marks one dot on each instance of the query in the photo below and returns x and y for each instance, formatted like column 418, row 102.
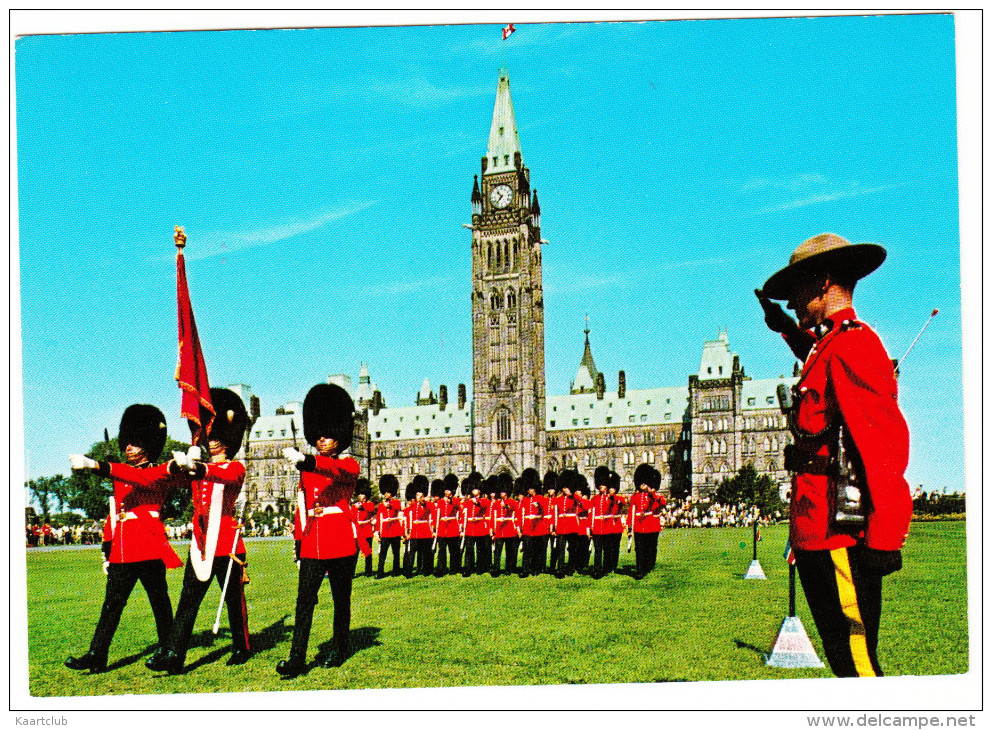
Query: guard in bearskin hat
column 448, row 527
column 613, row 522
column 216, row 550
column 851, row 505
column 583, row 510
column 420, row 519
column 325, row 525
column 389, row 523
column 644, row 519
column 365, row 510
column 533, row 526
column 503, row 525
column 475, row 527
column 135, row 545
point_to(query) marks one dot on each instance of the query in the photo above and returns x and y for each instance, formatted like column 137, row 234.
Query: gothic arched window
column 511, row 299
column 502, row 425
column 496, row 299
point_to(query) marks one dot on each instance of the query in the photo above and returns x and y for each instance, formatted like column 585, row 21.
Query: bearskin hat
column 142, row 425
column 411, row 491
column 451, row 483
column 230, row 422
column 437, row 488
column 601, row 477
column 389, row 483
column 550, row 481
column 614, row 482
column 364, row 488
column 655, row 482
column 504, row 483
column 642, row 475
column 472, row 481
column 530, row 479
column 328, row 411
column 421, row 484
column 581, row 484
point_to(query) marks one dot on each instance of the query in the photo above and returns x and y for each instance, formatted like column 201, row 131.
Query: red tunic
column 389, row 519
column 643, row 512
column 328, row 529
column 448, row 517
column 503, row 518
column 568, row 519
column 231, row 475
column 532, row 514
column 139, row 493
column 607, row 514
column 365, row 515
column 419, row 520
column 474, row 516
column 848, row 377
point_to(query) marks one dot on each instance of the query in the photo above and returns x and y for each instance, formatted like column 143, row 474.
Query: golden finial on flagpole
column 180, row 238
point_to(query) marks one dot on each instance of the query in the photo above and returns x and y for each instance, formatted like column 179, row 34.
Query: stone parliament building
column 695, row 434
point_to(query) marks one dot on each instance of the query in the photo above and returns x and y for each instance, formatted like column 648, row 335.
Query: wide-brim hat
column 825, row 253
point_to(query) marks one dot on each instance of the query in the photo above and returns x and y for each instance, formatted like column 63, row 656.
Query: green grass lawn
column 694, row 618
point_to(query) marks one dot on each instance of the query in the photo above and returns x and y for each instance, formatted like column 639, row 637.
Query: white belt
column 420, row 522
column 321, row 511
column 391, row 519
column 123, row 516
column 503, row 519
column 476, row 519
column 449, row 518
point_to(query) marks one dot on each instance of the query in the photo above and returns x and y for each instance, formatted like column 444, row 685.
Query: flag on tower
column 507, row 31
column 191, row 370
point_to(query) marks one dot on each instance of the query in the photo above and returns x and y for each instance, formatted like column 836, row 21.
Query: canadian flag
column 507, row 31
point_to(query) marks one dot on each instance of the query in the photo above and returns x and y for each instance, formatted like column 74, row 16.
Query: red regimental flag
column 508, row 30
column 191, row 370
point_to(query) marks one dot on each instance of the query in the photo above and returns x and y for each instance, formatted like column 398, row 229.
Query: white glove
column 181, row 459
column 79, row 461
column 106, row 567
column 293, row 456
column 194, row 454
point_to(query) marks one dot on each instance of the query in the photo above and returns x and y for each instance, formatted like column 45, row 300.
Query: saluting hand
column 775, row 317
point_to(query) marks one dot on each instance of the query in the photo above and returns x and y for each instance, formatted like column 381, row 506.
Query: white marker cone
column 754, row 571
column 793, row 649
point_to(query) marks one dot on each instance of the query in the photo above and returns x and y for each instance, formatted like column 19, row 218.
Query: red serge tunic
column 502, row 518
column 139, row 493
column 419, row 517
column 448, row 517
column 328, row 528
column 365, row 513
column 474, row 516
column 568, row 520
column 532, row 512
column 389, row 520
column 230, row 474
column 642, row 514
column 848, row 378
column 607, row 514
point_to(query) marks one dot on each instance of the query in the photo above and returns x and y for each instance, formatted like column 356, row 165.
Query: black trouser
column 386, row 544
column 449, row 547
column 578, row 550
column 558, row 543
column 645, row 551
column 192, row 596
column 121, row 578
column 512, row 544
column 368, row 558
column 339, row 572
column 599, row 549
column 419, row 549
column 846, row 605
column 535, row 553
column 478, row 554
column 611, row 552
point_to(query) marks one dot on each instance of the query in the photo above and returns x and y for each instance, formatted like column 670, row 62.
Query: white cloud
column 212, row 243
column 822, row 198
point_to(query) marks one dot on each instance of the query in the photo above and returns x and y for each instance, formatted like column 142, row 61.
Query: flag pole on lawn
column 754, row 571
column 793, row 649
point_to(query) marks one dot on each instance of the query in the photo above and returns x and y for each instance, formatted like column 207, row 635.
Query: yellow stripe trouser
column 849, row 604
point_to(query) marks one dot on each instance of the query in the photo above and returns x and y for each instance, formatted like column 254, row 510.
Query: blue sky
column 323, row 176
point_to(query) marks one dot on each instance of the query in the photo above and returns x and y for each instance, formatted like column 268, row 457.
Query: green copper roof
column 503, row 138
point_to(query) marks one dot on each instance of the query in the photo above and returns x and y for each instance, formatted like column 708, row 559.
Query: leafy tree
column 46, row 490
column 89, row 492
column 748, row 488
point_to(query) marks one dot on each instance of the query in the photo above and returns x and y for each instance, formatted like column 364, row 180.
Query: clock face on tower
column 501, row 196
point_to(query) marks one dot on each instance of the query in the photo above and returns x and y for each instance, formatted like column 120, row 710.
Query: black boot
column 338, row 656
column 89, row 660
column 162, row 660
column 238, row 657
column 291, row 667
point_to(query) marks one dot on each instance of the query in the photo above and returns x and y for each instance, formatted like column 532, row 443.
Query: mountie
column 41, row 721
